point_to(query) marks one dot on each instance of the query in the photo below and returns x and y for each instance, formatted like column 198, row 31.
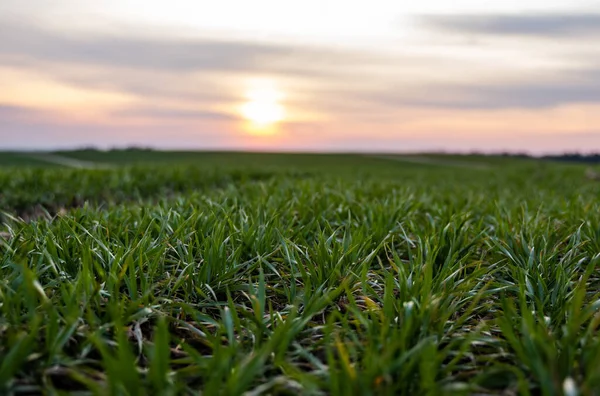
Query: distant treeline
column 591, row 158
column 567, row 157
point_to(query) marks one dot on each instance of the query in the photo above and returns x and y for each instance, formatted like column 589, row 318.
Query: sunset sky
column 301, row 75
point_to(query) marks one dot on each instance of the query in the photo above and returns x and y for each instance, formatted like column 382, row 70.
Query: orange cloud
column 36, row 91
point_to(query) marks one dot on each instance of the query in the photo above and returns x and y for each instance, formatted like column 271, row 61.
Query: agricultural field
column 134, row 273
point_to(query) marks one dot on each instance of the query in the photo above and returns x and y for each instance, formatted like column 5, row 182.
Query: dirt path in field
column 69, row 162
column 417, row 159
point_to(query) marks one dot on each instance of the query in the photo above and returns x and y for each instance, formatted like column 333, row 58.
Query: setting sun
column 263, row 113
column 263, row 109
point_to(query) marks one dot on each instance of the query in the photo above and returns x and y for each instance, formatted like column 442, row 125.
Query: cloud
column 526, row 95
column 166, row 53
column 572, row 74
column 158, row 113
column 176, row 55
column 13, row 112
column 530, row 95
column 25, row 129
column 548, row 25
column 13, row 115
column 169, row 75
column 561, row 87
column 199, row 70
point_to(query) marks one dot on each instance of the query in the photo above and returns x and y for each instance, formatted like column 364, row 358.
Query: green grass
column 9, row 159
column 272, row 274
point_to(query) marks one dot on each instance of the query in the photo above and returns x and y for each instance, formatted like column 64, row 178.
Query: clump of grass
column 404, row 281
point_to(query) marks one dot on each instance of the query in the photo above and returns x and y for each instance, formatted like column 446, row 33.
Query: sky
column 312, row 75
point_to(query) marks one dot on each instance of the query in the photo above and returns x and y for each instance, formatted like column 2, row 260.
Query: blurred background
column 301, row 76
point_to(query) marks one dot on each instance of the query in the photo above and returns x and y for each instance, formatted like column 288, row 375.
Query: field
column 250, row 274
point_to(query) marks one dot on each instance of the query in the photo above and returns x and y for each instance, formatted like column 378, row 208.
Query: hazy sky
column 335, row 75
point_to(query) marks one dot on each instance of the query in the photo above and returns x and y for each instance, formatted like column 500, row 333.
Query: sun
column 263, row 113
column 263, row 108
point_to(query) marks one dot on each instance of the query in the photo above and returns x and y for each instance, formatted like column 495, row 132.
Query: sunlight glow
column 262, row 108
column 263, row 113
